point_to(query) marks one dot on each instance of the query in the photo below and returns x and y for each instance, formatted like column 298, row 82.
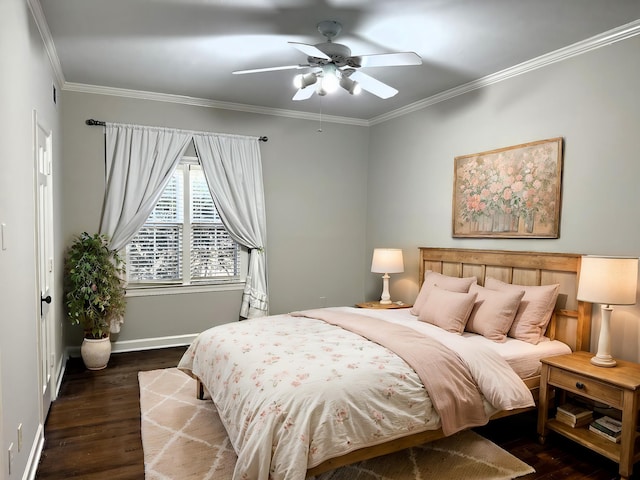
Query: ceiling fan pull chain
column 320, row 129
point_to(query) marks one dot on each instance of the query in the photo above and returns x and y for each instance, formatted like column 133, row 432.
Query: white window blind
column 184, row 229
column 213, row 253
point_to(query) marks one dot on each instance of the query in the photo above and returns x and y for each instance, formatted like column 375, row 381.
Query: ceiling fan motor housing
column 339, row 54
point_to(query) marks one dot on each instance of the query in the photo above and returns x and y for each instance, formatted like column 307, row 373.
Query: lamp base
column 385, row 299
column 603, row 358
column 603, row 361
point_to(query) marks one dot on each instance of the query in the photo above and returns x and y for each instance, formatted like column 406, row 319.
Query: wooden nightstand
column 618, row 387
column 380, row 306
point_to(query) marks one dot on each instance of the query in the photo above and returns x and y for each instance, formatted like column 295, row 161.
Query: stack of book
column 607, row 427
column 574, row 415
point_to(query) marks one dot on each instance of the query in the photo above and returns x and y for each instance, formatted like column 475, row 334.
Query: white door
column 44, row 249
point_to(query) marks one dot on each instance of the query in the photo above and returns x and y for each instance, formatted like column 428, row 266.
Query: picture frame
column 511, row 192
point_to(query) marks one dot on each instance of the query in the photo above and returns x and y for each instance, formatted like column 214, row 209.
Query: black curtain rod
column 93, row 123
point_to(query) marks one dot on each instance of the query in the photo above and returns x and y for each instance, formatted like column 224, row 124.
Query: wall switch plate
column 10, row 456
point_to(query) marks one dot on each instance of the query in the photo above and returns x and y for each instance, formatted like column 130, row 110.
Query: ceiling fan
column 332, row 66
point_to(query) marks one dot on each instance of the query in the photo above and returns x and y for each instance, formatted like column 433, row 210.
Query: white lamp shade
column 387, row 260
column 608, row 280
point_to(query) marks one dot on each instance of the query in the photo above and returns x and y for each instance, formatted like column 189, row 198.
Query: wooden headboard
column 571, row 322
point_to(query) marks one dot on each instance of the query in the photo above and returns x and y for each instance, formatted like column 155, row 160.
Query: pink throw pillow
column 493, row 312
column 447, row 310
column 534, row 312
column 453, row 284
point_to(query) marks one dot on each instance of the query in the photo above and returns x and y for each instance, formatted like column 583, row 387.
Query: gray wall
column 26, row 85
column 315, row 194
column 591, row 100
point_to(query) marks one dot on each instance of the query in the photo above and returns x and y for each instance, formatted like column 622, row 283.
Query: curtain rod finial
column 263, row 139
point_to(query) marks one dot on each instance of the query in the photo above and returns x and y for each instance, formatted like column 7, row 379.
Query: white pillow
column 447, row 310
column 535, row 309
column 453, row 284
column 493, row 312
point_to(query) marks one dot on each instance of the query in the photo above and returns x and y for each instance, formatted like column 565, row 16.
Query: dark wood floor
column 93, row 429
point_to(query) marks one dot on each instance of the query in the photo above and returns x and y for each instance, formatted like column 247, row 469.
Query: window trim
column 146, row 290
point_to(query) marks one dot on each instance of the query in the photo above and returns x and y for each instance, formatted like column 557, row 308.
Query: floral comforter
column 294, row 391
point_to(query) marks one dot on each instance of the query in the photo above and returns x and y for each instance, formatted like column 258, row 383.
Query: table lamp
column 607, row 281
column 386, row 260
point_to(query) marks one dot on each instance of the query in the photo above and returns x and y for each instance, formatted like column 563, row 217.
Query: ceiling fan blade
column 388, row 59
column 270, row 69
column 304, row 93
column 372, row 85
column 310, row 50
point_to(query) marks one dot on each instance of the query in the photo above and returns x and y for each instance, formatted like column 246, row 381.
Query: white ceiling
column 190, row 47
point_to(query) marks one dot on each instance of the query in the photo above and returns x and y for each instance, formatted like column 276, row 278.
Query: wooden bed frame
column 570, row 323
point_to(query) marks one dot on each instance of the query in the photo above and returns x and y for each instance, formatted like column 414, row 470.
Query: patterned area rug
column 183, row 438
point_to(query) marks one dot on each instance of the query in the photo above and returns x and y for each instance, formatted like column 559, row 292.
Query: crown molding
column 203, row 102
column 47, row 39
column 602, row 40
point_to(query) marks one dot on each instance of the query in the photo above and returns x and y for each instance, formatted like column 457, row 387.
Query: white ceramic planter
column 96, row 352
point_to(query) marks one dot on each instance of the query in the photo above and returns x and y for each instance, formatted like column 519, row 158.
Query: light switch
column 3, row 235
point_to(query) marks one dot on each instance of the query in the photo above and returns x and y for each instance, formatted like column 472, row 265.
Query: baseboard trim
column 62, row 366
column 121, row 346
column 31, row 469
column 151, row 343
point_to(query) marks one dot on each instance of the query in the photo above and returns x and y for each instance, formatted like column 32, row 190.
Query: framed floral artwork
column 512, row 192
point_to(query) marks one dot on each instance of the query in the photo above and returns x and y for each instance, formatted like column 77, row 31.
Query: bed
column 308, row 392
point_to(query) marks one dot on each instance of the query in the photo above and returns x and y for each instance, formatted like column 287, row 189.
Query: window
column 183, row 242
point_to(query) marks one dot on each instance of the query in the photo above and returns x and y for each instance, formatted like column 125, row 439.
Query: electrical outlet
column 10, row 456
column 19, row 438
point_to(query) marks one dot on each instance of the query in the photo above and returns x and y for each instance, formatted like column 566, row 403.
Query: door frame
column 45, row 334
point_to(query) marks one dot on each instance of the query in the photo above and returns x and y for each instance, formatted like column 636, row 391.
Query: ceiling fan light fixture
column 329, row 81
column 350, row 86
column 304, row 80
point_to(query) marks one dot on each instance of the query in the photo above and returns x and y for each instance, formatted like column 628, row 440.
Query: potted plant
column 95, row 294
